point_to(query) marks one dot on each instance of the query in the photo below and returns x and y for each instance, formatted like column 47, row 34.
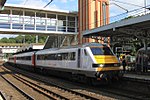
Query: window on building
column 104, row 13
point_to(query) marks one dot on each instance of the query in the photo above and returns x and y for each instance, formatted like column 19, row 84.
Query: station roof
column 126, row 27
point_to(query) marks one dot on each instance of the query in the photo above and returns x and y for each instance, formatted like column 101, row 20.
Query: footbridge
column 16, row 19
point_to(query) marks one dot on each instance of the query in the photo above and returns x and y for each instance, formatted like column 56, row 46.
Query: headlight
column 101, row 65
column 116, row 65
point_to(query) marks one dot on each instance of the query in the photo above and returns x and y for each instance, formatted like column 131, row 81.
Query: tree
column 29, row 39
column 4, row 40
column 19, row 39
column 11, row 40
column 42, row 39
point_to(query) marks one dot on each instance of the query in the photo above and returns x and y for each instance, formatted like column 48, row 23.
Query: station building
column 92, row 14
column 7, row 49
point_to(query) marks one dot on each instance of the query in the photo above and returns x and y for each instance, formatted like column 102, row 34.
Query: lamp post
column 2, row 2
column 145, row 5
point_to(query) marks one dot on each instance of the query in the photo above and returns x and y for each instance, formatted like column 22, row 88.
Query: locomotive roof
column 26, row 51
column 67, row 47
column 76, row 46
column 85, row 45
column 93, row 44
column 79, row 46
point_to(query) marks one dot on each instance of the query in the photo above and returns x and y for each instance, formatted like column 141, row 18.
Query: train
column 90, row 62
column 143, row 60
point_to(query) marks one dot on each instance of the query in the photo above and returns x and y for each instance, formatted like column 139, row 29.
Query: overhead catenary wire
column 82, row 6
column 25, row 2
column 48, row 3
column 129, row 11
column 89, row 3
column 127, row 3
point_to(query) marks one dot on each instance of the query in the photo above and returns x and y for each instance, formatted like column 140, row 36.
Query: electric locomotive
column 89, row 61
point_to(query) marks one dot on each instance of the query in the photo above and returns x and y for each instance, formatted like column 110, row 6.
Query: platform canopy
column 137, row 26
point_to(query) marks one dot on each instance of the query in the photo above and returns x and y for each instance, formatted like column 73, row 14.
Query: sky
column 72, row 5
column 56, row 4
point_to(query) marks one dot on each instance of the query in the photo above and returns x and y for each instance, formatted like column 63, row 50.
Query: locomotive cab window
column 101, row 51
column 85, row 53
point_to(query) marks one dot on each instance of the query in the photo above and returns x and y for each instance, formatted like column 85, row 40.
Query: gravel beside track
column 18, row 89
column 9, row 92
column 121, row 90
column 56, row 91
column 64, row 86
column 25, row 88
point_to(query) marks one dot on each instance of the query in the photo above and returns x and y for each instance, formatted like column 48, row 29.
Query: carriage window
column 101, row 51
column 58, row 56
column 71, row 56
column 24, row 58
column 85, row 53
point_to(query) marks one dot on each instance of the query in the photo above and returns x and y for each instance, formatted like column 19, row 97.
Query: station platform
column 138, row 76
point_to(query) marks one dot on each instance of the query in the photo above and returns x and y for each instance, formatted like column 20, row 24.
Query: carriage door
column 79, row 58
column 85, row 62
column 15, row 59
column 33, row 59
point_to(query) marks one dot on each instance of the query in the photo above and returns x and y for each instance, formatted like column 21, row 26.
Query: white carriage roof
column 67, row 47
column 76, row 46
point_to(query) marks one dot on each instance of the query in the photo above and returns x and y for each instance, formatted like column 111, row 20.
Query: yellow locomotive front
column 107, row 65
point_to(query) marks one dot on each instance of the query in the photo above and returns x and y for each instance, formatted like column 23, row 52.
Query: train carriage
column 25, row 60
column 89, row 61
column 143, row 59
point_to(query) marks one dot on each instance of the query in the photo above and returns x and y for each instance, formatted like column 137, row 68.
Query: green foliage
column 42, row 39
column 4, row 40
column 19, row 39
column 23, row 39
column 29, row 39
column 12, row 40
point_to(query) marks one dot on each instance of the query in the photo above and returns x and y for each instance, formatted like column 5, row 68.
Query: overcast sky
column 72, row 5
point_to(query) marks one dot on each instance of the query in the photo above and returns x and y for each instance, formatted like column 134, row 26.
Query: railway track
column 18, row 89
column 56, row 92
column 45, row 92
column 126, row 93
column 2, row 96
column 111, row 90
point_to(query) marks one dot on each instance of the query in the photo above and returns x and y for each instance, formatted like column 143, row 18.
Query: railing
column 36, row 23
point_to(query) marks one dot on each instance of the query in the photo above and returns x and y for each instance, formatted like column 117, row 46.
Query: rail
column 2, row 95
column 55, row 85
column 18, row 89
